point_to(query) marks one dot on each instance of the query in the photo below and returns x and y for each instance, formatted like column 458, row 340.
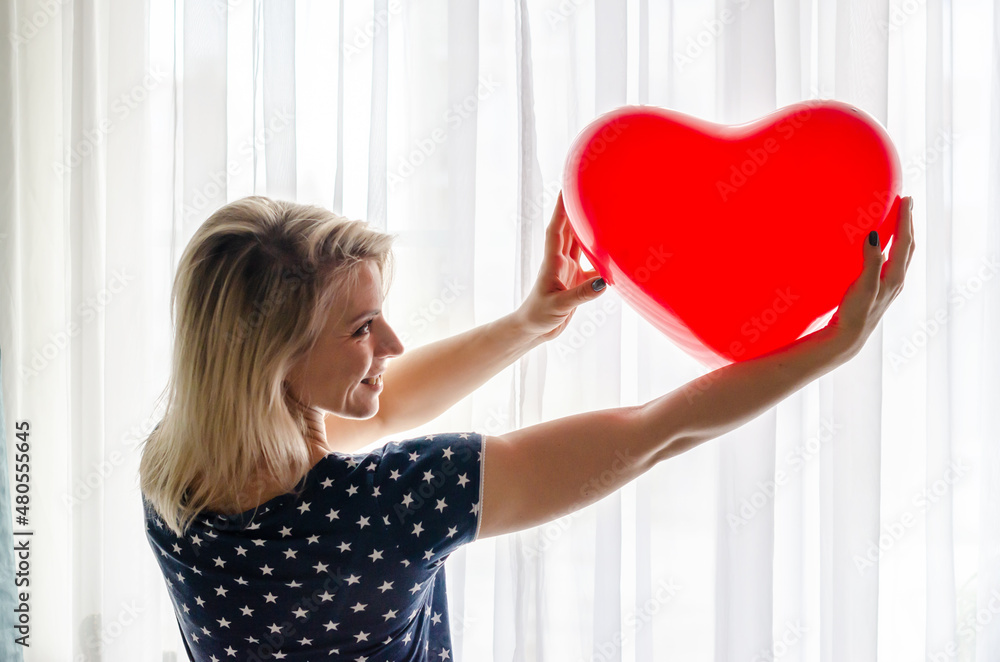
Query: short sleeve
column 429, row 492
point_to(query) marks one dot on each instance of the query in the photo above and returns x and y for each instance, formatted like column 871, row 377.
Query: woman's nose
column 391, row 344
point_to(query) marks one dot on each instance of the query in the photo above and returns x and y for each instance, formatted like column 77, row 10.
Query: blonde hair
column 250, row 297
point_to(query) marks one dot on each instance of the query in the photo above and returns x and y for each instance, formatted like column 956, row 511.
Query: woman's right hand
column 868, row 297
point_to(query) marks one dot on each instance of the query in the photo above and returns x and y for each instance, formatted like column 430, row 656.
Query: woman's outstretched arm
column 542, row 472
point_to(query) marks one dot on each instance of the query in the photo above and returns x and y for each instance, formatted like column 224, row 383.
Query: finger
column 583, row 292
column 565, row 227
column 902, row 247
column 554, row 240
column 870, row 278
column 574, row 251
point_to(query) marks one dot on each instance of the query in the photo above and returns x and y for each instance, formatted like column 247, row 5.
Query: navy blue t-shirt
column 351, row 569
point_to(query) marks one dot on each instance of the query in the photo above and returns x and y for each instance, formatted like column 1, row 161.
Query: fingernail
column 598, row 284
column 911, row 202
column 873, row 238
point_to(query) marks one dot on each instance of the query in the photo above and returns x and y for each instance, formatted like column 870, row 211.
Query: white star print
column 274, row 628
column 396, row 474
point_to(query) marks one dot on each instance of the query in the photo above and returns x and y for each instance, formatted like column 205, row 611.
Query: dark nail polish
column 873, row 238
column 598, row 284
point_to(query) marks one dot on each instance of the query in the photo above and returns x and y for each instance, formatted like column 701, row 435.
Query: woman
column 276, row 542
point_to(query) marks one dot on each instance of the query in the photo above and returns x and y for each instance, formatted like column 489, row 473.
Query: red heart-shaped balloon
column 733, row 240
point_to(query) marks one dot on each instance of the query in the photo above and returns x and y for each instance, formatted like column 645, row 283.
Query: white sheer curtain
column 857, row 520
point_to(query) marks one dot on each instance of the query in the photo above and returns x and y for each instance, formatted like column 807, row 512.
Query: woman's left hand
column 562, row 283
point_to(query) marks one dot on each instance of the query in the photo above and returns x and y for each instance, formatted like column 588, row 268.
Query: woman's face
column 349, row 350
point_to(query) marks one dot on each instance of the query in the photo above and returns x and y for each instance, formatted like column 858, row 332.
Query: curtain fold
column 126, row 124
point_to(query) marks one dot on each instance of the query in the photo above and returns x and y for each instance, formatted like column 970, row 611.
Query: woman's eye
column 364, row 328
